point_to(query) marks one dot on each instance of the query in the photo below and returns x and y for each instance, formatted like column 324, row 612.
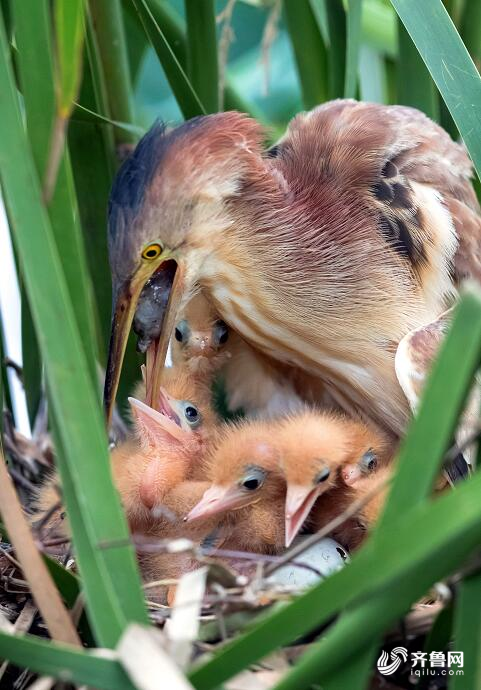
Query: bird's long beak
column 218, row 499
column 159, row 424
column 122, row 316
column 299, row 502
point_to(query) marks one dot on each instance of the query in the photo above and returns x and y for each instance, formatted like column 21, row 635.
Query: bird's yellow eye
column 152, row 251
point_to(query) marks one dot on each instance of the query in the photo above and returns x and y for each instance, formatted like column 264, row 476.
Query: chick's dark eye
column 253, row 479
column 221, row 333
column 182, row 332
column 251, row 484
column 191, row 413
column 322, row 476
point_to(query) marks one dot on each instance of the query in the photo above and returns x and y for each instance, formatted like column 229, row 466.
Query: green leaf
column 75, row 405
column 414, row 84
column 467, row 632
column 69, row 34
column 372, row 75
column 64, row 662
column 107, row 24
column 470, row 29
column 336, row 20
column 378, row 27
column 354, row 675
column 358, row 626
column 173, row 28
column 309, row 52
column 202, row 52
column 353, row 43
column 36, row 72
column 184, row 92
column 449, row 64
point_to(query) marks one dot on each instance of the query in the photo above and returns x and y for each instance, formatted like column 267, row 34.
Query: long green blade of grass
column 354, row 12
column 107, row 23
column 69, row 33
column 75, row 404
column 36, row 72
column 202, row 65
column 378, row 27
column 336, row 22
column 173, row 28
column 414, row 84
column 470, row 29
column 467, row 632
column 450, row 66
column 64, row 662
column 186, row 97
column 69, row 30
column 371, row 618
column 372, row 75
column 309, row 52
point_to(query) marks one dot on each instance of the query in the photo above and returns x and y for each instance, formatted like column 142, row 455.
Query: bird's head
column 199, row 332
column 313, row 447
column 167, row 206
column 172, row 436
column 244, row 470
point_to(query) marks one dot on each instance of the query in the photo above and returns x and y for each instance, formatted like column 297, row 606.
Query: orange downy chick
column 247, row 489
column 320, row 451
column 169, row 446
column 356, row 528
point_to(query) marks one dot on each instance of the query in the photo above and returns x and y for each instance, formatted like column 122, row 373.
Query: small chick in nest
column 167, row 447
column 320, row 451
column 354, row 530
column 203, row 341
column 247, row 489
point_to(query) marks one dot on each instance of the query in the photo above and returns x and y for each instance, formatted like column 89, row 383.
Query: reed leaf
column 36, row 73
column 353, row 44
column 309, row 52
column 202, row 67
column 414, row 84
column 107, row 24
column 82, row 452
column 173, row 28
column 450, row 66
column 185, row 94
column 369, row 620
column 467, row 632
column 336, row 22
column 64, row 662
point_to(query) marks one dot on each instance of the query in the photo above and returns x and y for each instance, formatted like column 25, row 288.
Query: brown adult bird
column 322, row 252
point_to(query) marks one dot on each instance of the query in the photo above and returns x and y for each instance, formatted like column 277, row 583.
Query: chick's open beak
column 218, row 499
column 299, row 502
column 125, row 303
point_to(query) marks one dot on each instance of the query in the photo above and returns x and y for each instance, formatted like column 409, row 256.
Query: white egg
column 322, row 559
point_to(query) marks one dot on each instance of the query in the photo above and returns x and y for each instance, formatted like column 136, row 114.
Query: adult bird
column 322, row 251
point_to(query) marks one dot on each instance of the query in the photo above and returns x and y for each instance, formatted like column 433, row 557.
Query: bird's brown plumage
column 323, row 254
column 252, row 383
